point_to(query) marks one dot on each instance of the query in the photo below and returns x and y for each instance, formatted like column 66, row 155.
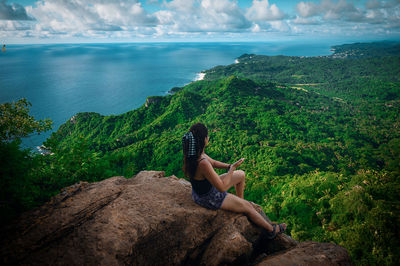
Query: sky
column 68, row 21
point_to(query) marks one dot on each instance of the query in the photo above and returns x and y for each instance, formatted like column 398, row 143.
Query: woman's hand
column 237, row 164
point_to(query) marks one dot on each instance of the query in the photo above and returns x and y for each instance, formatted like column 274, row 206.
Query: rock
column 73, row 119
column 310, row 253
column 151, row 100
column 145, row 220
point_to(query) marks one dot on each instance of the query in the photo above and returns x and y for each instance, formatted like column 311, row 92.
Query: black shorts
column 212, row 200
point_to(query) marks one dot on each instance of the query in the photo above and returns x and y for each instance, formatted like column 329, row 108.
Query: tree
column 15, row 121
column 15, row 163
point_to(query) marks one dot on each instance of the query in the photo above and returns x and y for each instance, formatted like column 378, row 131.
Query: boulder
column 309, row 253
column 152, row 99
column 145, row 220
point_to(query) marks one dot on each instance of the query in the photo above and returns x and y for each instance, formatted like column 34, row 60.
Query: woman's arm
column 217, row 164
column 209, row 173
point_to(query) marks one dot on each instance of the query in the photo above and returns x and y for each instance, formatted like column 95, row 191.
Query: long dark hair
column 190, row 163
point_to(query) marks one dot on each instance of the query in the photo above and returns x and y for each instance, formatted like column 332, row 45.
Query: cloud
column 79, row 18
column 123, row 13
column 12, row 25
column 330, row 10
column 305, row 21
column 267, row 17
column 372, row 4
column 224, row 12
column 280, row 25
column 372, row 19
column 307, row 9
column 202, row 16
column 263, row 11
column 342, row 10
column 196, row 18
column 186, row 6
column 12, row 12
column 255, row 28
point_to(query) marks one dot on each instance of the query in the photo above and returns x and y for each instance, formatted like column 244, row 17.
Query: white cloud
column 373, row 19
column 124, row 13
column 255, row 28
column 342, row 10
column 202, row 16
column 12, row 25
column 383, row 12
column 12, row 12
column 165, row 17
column 279, row 25
column 196, row 18
column 375, row 16
column 307, row 9
column 372, row 4
column 224, row 13
column 263, row 11
column 330, row 10
column 305, row 21
column 181, row 5
column 79, row 18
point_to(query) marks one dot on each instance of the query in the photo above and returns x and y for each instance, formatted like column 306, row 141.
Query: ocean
column 61, row 80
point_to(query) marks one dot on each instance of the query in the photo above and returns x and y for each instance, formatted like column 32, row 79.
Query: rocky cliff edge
column 148, row 220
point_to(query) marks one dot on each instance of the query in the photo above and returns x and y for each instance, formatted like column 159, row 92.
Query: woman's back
column 200, row 184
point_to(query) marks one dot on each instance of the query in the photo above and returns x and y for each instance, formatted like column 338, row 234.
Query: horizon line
column 226, row 41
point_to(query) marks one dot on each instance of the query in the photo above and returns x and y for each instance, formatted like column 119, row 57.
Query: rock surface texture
column 309, row 253
column 147, row 220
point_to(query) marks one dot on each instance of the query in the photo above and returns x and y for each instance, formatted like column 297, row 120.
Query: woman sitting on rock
column 209, row 188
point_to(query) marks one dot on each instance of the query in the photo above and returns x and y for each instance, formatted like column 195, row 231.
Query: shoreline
column 200, row 76
column 33, row 143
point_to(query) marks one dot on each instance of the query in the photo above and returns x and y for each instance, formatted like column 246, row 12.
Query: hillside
column 320, row 135
column 363, row 50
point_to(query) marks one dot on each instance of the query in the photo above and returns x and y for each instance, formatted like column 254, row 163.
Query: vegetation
column 375, row 49
column 17, row 191
column 321, row 137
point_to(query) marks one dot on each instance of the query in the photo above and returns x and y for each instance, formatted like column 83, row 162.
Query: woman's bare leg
column 239, row 187
column 236, row 204
column 238, row 180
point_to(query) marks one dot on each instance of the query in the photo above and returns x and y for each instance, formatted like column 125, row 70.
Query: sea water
column 61, row 80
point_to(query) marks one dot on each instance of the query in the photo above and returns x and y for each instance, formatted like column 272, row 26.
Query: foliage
column 14, row 187
column 15, row 121
column 362, row 50
column 16, row 164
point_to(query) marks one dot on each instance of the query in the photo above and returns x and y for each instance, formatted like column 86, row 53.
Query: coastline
column 75, row 94
column 200, row 76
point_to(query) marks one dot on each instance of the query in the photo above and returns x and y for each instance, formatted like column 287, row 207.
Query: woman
column 209, row 189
